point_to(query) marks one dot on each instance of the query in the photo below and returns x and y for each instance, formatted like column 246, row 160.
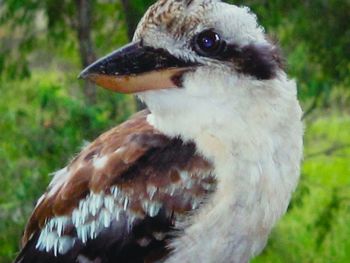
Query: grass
column 43, row 124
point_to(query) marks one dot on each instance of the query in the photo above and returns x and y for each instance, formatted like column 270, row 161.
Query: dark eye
column 208, row 43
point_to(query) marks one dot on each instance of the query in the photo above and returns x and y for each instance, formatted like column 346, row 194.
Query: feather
column 120, row 199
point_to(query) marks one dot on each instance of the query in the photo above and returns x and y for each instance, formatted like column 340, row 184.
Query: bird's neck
column 252, row 194
column 256, row 155
column 256, row 175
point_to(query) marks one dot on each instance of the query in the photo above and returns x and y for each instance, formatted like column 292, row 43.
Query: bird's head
column 193, row 52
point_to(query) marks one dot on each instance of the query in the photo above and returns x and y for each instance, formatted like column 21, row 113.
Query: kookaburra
column 205, row 173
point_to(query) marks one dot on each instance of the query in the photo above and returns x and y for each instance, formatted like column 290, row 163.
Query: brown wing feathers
column 119, row 198
column 83, row 176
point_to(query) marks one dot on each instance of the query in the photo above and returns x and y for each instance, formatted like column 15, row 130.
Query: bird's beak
column 137, row 68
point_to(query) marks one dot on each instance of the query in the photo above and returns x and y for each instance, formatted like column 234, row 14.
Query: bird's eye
column 207, row 43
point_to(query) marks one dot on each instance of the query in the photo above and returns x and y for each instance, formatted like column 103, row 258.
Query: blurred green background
column 46, row 114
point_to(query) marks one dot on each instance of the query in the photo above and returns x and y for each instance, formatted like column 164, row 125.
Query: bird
column 205, row 172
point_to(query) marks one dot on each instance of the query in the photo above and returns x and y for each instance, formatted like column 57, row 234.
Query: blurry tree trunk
column 87, row 54
column 132, row 20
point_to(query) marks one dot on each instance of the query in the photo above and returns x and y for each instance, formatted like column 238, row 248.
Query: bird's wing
column 119, row 200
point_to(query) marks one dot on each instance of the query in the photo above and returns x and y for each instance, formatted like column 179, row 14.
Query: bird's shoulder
column 122, row 194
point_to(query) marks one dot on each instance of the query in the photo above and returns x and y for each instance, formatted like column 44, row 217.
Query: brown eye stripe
column 260, row 61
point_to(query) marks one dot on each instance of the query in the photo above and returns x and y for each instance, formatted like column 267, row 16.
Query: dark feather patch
column 261, row 61
column 115, row 244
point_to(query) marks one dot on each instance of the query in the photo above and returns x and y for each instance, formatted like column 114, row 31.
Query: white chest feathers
column 254, row 138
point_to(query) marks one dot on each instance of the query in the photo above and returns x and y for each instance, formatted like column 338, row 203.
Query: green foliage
column 26, row 25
